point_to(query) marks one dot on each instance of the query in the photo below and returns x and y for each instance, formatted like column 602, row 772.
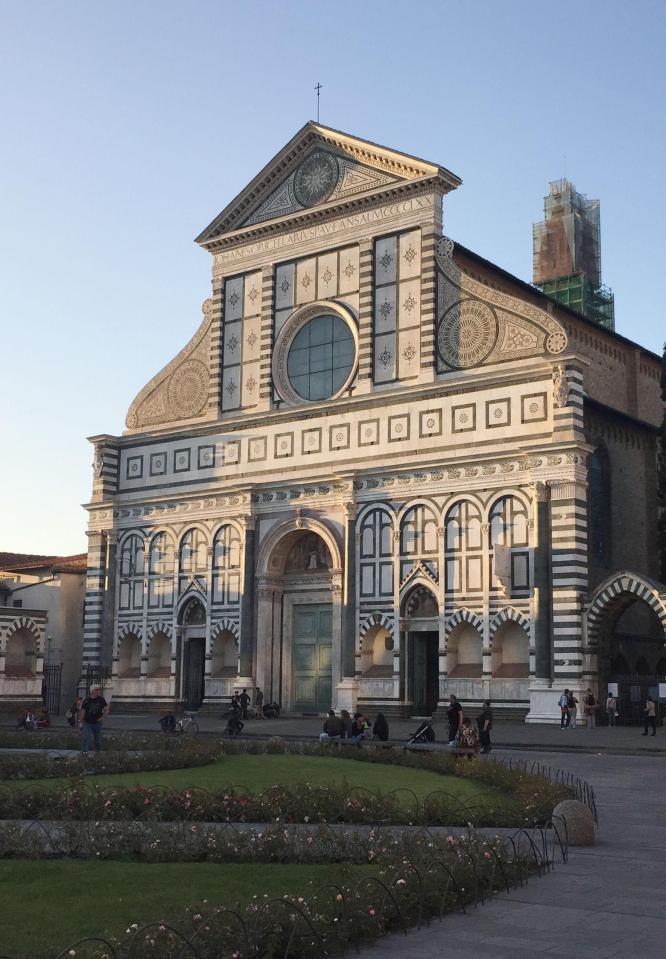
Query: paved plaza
column 608, row 900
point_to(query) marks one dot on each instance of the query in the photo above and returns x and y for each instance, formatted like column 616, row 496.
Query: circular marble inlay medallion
column 556, row 341
column 467, row 334
column 316, row 178
column 188, row 389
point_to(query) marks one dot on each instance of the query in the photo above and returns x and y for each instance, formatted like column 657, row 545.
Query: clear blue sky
column 127, row 126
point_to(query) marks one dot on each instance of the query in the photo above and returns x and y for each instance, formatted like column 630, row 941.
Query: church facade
column 366, row 480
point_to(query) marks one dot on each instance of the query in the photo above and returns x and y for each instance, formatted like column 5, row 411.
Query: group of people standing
column 569, row 703
column 462, row 734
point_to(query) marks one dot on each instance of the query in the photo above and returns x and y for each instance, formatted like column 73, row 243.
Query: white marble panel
column 410, row 254
column 352, row 301
column 348, row 278
column 409, row 304
column 250, row 385
column 386, row 252
column 285, row 279
column 409, row 349
column 252, row 299
column 306, row 281
column 327, row 276
column 233, row 299
column 385, row 363
column 385, row 309
column 251, row 338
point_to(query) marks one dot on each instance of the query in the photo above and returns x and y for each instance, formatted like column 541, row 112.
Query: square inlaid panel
column 181, row 461
column 257, row 449
column 498, row 413
column 338, row 436
column 430, row 423
column 463, row 418
column 158, row 464
column 398, row 428
column 206, row 457
column 311, row 440
column 368, row 432
column 284, row 445
column 533, row 408
column 134, row 467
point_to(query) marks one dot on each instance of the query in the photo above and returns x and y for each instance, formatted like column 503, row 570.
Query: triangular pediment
column 320, row 167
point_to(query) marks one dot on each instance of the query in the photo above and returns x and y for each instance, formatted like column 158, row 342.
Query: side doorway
column 425, row 672
column 193, row 673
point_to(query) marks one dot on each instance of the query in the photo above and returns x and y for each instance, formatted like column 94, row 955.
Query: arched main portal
column 299, row 618
column 192, row 623
column 420, row 623
column 626, row 626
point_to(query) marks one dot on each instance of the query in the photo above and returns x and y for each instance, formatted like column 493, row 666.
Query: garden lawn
column 259, row 772
column 47, row 905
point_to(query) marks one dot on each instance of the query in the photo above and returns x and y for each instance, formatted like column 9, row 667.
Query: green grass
column 258, row 773
column 46, row 905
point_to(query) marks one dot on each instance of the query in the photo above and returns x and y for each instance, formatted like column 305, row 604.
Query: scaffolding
column 576, row 291
column 567, row 253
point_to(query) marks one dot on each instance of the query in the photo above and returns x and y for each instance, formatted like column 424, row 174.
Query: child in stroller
column 424, row 734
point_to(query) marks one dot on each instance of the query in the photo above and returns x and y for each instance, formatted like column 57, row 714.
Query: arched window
column 463, row 549
column 129, row 657
column 20, row 655
column 464, row 652
column 509, row 530
column 132, row 570
column 375, row 554
column 224, row 655
column 159, row 656
column 226, row 566
column 418, row 539
column 511, row 652
column 192, row 559
column 599, row 508
column 160, row 571
column 377, row 653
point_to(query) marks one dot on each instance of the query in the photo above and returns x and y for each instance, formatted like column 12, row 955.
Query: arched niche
column 21, row 655
column 159, row 657
column 464, row 652
column 129, row 657
column 224, row 655
column 510, row 658
column 377, row 653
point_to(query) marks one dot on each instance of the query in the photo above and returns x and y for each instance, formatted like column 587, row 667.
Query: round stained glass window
column 321, row 357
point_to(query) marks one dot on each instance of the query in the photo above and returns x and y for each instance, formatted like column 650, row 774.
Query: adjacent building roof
column 29, row 562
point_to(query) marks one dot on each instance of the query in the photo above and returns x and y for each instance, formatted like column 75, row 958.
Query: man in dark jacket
column 454, row 716
column 485, row 723
column 334, row 728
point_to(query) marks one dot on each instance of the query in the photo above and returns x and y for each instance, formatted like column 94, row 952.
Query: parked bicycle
column 187, row 724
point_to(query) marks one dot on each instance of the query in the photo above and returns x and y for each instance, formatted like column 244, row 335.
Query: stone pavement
column 626, row 740
column 608, row 900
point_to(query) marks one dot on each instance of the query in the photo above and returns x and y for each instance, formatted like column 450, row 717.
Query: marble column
column 247, row 631
column 543, row 644
column 349, row 594
column 109, row 602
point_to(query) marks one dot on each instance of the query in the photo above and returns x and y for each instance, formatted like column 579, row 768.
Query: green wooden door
column 312, row 680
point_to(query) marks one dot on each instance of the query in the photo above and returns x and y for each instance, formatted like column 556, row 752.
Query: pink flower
column 371, row 912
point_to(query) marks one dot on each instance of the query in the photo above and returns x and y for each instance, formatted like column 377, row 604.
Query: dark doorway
column 425, row 672
column 193, row 675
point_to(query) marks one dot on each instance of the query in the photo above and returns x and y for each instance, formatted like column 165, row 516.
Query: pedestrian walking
column 590, row 708
column 259, row 703
column 650, row 710
column 573, row 709
column 380, row 729
column 565, row 715
column 484, row 721
column 611, row 710
column 244, row 702
column 72, row 714
column 94, row 709
column 454, row 716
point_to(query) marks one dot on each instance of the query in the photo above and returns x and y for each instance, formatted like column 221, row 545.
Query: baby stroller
column 424, row 734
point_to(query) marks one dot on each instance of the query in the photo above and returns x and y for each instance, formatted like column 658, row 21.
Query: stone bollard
column 579, row 822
